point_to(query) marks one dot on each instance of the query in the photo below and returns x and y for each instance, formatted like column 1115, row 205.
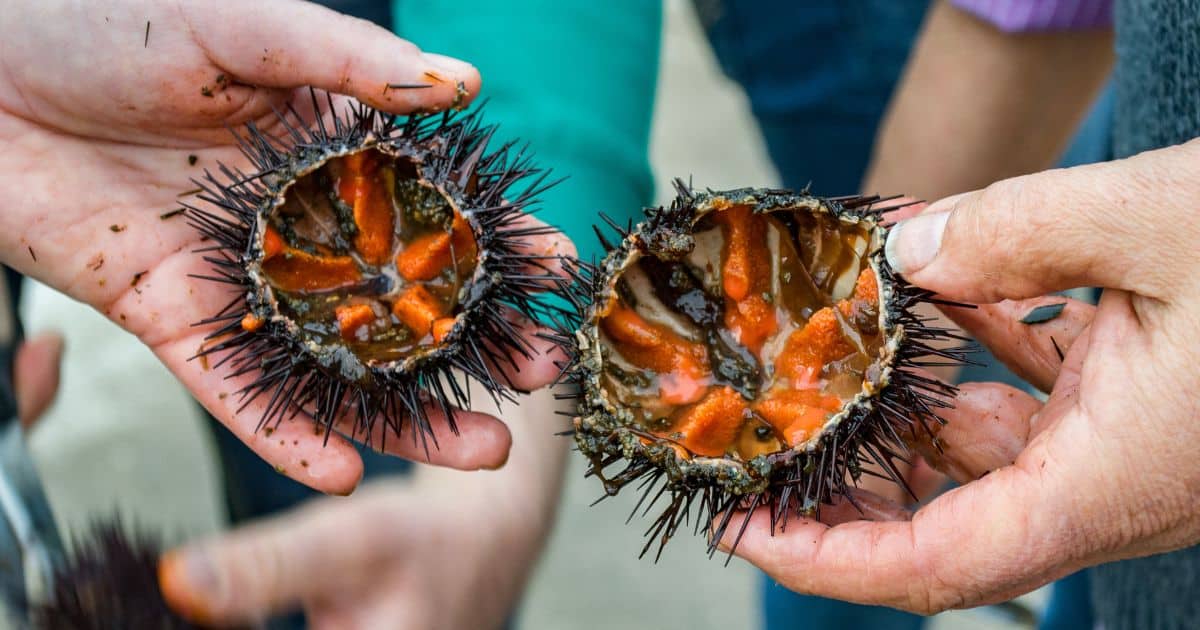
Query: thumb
column 287, row 44
column 1106, row 225
column 278, row 565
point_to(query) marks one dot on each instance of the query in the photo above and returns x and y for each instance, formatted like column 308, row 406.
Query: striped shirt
column 1023, row 16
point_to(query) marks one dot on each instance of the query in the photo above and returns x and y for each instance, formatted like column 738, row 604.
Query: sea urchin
column 374, row 259
column 748, row 348
column 109, row 581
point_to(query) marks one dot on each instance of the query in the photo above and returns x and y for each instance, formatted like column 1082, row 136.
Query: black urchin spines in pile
column 452, row 153
column 868, row 440
column 109, row 582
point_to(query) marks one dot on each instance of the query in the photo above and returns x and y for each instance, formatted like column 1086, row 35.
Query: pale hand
column 103, row 106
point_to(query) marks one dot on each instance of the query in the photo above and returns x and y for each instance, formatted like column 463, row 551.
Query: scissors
column 30, row 546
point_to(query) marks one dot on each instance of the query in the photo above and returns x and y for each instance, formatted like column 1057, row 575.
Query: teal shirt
column 574, row 79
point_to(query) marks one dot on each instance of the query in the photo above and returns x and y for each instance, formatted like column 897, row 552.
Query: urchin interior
column 753, row 342
column 363, row 255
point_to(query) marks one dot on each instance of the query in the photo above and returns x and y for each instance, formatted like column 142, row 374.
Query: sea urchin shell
column 374, row 258
column 748, row 348
column 109, row 581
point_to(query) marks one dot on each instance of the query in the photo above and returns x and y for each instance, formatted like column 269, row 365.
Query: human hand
column 391, row 556
column 442, row 549
column 102, row 107
column 1105, row 469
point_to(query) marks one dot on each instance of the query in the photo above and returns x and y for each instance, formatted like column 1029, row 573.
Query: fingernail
column 913, row 243
column 450, row 65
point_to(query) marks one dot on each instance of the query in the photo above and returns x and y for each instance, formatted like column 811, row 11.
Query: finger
column 525, row 359
column 542, row 248
column 1033, row 351
column 273, row 566
column 882, row 485
column 287, row 44
column 925, row 480
column 36, row 375
column 400, row 613
column 1037, row 234
column 961, row 550
column 862, row 505
column 899, row 209
column 331, row 465
column 536, row 363
column 922, row 480
column 987, row 428
column 482, row 441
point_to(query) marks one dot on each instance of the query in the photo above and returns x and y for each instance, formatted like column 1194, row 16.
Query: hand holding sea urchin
column 374, row 260
column 749, row 348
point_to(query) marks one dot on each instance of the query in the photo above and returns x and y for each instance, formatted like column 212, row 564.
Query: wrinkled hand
column 1106, row 468
column 391, row 556
column 102, row 105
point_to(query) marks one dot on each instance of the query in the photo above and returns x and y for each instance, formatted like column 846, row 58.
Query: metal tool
column 30, row 546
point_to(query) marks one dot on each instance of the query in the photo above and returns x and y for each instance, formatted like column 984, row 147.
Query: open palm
column 108, row 109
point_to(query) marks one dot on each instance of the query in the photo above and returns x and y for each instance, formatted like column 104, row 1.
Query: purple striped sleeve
column 1025, row 16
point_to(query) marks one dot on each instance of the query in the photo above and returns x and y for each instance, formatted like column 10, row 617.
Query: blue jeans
column 819, row 75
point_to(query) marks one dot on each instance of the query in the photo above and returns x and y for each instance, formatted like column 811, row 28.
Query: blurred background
column 124, row 435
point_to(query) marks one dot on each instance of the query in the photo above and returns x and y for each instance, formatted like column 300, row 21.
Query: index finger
column 287, row 44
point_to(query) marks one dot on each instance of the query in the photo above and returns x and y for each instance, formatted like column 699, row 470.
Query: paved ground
column 124, row 434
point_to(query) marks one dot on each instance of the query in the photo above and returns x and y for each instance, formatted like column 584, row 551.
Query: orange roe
column 300, row 271
column 681, row 365
column 418, row 309
column 797, row 414
column 351, row 318
column 431, row 254
column 711, row 425
column 360, row 187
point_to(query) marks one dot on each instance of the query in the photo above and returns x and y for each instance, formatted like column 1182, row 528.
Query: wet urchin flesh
column 373, row 259
column 749, row 348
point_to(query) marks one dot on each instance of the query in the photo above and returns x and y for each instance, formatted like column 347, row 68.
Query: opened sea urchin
column 749, row 348
column 374, row 259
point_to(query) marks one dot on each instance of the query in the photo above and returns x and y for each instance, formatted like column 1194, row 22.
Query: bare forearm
column 977, row 105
